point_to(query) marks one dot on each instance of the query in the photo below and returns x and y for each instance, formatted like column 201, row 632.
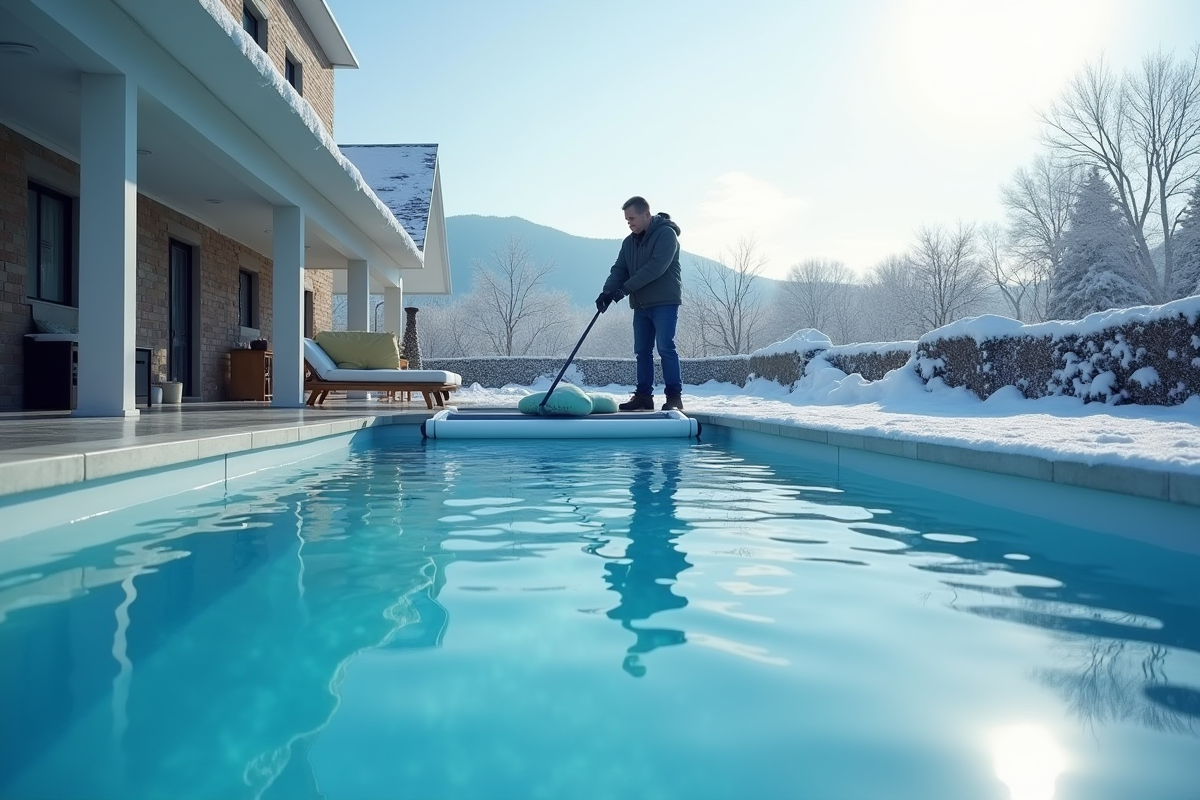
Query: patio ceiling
column 178, row 165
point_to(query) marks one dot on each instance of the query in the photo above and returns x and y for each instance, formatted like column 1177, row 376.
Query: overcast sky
column 821, row 128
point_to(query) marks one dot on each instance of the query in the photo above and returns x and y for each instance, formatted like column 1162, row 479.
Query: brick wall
column 15, row 319
column 217, row 257
column 219, row 260
column 321, row 283
column 14, row 312
column 287, row 32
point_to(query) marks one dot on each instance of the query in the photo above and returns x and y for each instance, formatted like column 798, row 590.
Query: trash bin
column 172, row 392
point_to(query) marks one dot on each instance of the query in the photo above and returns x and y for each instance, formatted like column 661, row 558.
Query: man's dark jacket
column 647, row 268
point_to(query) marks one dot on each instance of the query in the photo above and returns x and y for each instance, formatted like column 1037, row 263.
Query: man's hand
column 606, row 299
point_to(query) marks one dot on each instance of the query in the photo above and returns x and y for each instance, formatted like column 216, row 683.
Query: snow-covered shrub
column 872, row 361
column 1148, row 355
column 784, row 361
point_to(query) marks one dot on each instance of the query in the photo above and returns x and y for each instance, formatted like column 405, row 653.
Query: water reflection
column 645, row 575
column 1027, row 760
column 120, row 692
column 1116, row 627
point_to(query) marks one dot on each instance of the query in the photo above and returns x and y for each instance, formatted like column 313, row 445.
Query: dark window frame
column 248, row 299
column 309, row 313
column 293, row 72
column 33, row 260
column 254, row 24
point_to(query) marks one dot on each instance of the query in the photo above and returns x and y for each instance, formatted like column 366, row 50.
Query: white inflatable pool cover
column 507, row 423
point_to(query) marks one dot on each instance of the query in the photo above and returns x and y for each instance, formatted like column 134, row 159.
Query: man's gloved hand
column 606, row 299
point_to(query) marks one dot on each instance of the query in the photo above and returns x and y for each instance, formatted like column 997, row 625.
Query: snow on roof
column 402, row 176
column 304, row 110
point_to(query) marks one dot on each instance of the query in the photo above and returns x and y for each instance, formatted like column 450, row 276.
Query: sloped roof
column 402, row 176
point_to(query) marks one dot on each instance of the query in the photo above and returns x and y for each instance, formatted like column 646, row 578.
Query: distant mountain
column 580, row 264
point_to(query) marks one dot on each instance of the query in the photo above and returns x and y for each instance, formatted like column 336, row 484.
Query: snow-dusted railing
column 1148, row 355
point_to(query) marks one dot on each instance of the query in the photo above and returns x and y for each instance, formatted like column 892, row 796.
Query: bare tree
column 1143, row 131
column 444, row 332
column 511, row 313
column 1039, row 200
column 820, row 295
column 610, row 337
column 1017, row 281
column 950, row 279
column 890, row 299
column 727, row 301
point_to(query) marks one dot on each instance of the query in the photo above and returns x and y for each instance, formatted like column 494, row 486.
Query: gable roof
column 402, row 176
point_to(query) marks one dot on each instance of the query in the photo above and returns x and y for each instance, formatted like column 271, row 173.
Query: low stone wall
column 1148, row 355
column 500, row 371
column 872, row 361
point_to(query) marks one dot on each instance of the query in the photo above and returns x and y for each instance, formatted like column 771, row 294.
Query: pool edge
column 1155, row 484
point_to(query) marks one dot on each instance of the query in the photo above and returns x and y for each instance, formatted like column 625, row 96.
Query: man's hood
column 663, row 218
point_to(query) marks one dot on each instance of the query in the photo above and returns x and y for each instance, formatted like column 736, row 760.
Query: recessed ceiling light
column 215, row 201
column 17, row 49
column 143, row 151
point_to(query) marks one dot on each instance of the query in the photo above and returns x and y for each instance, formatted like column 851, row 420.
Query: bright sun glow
column 1027, row 760
column 976, row 60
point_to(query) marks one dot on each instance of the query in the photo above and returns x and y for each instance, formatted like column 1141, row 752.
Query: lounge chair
column 322, row 376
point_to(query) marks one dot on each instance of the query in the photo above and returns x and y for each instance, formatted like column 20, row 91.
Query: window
column 252, row 23
column 49, row 253
column 308, row 313
column 292, row 72
column 247, row 299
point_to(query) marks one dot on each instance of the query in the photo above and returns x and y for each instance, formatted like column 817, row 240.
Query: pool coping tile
column 39, row 468
column 64, row 464
column 1156, row 484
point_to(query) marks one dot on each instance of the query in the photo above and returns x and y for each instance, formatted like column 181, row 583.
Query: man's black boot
column 639, row 402
column 674, row 403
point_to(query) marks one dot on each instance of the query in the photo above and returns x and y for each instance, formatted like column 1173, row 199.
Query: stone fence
column 1147, row 355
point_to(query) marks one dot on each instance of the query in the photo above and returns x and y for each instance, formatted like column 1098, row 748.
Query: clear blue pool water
column 587, row 620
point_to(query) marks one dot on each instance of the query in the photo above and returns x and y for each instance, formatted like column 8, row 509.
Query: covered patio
column 161, row 122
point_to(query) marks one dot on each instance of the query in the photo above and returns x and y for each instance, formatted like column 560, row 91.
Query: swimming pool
column 630, row 619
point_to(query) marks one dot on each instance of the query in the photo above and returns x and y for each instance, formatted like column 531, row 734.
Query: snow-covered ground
column 901, row 407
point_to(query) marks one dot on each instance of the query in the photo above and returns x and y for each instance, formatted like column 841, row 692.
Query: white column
column 358, row 296
column 107, row 246
column 287, row 306
column 393, row 310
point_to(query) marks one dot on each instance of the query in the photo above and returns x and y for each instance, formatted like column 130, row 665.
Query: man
column 647, row 271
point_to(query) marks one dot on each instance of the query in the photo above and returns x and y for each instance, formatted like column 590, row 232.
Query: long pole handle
column 570, row 358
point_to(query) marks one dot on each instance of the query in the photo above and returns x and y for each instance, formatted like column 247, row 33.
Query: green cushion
column 361, row 349
column 567, row 399
column 603, row 403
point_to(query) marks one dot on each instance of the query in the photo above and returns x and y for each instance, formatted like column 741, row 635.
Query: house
column 170, row 187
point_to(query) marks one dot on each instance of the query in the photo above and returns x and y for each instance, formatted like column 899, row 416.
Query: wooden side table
column 249, row 374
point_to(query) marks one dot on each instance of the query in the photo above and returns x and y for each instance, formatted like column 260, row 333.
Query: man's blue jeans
column 655, row 326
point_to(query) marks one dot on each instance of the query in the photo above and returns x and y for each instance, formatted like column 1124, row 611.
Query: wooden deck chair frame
column 434, row 393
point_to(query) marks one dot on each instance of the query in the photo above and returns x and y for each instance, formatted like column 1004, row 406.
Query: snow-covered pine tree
column 1099, row 256
column 1186, row 280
